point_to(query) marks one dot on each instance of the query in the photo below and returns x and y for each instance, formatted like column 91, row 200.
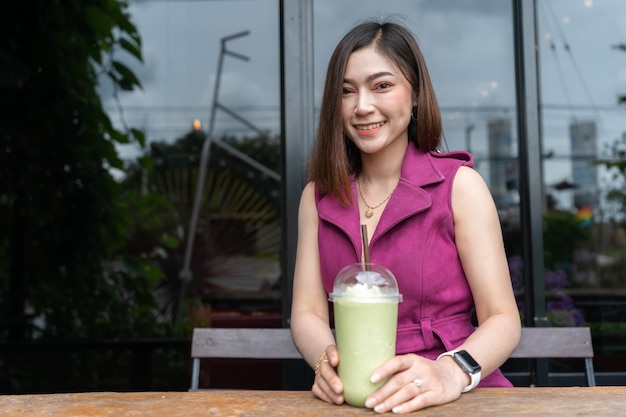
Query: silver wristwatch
column 467, row 363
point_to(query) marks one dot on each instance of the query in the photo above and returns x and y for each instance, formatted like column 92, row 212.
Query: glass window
column 582, row 77
column 211, row 71
column 194, row 89
column 468, row 49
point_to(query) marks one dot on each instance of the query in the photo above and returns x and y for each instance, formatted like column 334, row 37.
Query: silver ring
column 418, row 383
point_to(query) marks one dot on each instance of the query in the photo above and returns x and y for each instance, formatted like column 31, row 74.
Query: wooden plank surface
column 243, row 343
column 545, row 402
column 536, row 342
column 555, row 342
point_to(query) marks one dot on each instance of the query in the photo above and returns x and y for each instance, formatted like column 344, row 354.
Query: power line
column 276, row 108
column 576, row 67
column 558, row 63
column 185, row 108
column 180, row 1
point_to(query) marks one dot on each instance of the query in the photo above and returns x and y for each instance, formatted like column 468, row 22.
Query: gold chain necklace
column 370, row 209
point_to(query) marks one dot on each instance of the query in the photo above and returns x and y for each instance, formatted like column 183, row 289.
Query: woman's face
column 377, row 101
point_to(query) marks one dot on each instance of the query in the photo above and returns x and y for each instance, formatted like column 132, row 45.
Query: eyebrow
column 370, row 77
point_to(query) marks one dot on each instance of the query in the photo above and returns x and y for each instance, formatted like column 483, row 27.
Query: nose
column 364, row 103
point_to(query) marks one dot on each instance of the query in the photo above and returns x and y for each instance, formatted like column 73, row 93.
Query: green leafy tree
column 78, row 251
column 231, row 188
column 562, row 232
column 615, row 163
column 67, row 225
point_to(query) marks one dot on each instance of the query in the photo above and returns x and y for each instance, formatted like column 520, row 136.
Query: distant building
column 584, row 172
column 503, row 166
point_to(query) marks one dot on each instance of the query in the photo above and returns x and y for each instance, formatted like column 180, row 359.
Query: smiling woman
column 374, row 88
column 435, row 228
column 471, row 55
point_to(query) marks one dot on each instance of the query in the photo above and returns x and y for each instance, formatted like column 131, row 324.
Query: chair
column 240, row 343
column 558, row 342
column 536, row 342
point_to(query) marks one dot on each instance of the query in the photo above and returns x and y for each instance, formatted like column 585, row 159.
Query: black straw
column 366, row 248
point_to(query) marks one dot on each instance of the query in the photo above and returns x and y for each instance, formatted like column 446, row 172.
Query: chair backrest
column 239, row 343
column 536, row 342
column 558, row 342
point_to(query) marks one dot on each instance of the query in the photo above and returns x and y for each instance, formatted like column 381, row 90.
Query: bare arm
column 309, row 311
column 481, row 249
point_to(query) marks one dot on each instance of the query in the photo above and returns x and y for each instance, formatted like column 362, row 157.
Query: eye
column 383, row 85
column 346, row 90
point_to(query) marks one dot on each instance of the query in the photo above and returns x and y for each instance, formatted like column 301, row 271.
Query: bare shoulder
column 470, row 192
column 467, row 176
column 308, row 208
column 309, row 188
column 308, row 194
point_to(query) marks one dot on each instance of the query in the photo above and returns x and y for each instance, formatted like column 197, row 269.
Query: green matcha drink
column 366, row 318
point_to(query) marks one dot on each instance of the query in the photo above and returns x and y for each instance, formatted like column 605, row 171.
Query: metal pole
column 468, row 134
column 531, row 178
column 298, row 127
column 186, row 275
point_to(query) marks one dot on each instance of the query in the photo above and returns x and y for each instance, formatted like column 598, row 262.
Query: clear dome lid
column 365, row 281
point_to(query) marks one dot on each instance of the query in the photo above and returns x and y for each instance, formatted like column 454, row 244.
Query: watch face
column 466, row 361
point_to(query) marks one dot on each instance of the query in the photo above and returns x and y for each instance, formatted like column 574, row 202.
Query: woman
column 430, row 219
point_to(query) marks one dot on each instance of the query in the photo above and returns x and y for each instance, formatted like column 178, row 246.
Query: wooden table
column 596, row 401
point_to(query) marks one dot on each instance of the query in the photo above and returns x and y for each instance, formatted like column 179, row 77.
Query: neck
column 384, row 166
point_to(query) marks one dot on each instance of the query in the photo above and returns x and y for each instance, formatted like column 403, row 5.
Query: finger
column 328, row 381
column 326, row 393
column 321, row 393
column 396, row 395
column 329, row 374
column 396, row 383
column 430, row 393
column 394, row 366
column 333, row 355
column 413, row 404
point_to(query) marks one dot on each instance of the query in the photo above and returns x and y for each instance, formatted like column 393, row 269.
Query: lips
column 370, row 126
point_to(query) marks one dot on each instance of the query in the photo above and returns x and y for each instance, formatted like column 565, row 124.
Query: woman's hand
column 327, row 385
column 415, row 383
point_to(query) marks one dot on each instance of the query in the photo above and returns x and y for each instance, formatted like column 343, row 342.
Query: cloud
column 468, row 45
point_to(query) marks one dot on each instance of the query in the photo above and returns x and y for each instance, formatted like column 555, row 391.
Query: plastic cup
column 365, row 300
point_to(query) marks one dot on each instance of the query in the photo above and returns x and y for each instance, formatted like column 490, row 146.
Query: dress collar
column 418, row 171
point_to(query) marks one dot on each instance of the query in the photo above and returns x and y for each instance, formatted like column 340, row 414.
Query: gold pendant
column 369, row 213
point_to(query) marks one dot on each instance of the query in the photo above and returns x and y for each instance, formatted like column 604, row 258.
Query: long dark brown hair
column 334, row 157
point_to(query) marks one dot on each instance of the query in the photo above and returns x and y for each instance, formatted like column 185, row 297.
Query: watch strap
column 474, row 377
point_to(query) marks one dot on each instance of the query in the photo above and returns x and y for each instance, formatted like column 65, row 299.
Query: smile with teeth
column 370, row 126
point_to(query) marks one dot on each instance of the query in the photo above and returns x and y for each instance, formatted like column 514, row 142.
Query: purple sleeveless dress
column 415, row 240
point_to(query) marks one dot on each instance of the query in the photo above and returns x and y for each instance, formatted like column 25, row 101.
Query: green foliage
column 561, row 234
column 232, row 189
column 615, row 163
column 70, row 236
column 181, row 158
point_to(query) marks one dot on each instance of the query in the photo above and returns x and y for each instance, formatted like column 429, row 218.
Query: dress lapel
column 409, row 198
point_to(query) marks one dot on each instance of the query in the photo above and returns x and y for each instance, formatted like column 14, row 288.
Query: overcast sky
column 467, row 45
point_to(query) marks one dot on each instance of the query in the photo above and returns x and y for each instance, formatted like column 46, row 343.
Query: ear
column 414, row 100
